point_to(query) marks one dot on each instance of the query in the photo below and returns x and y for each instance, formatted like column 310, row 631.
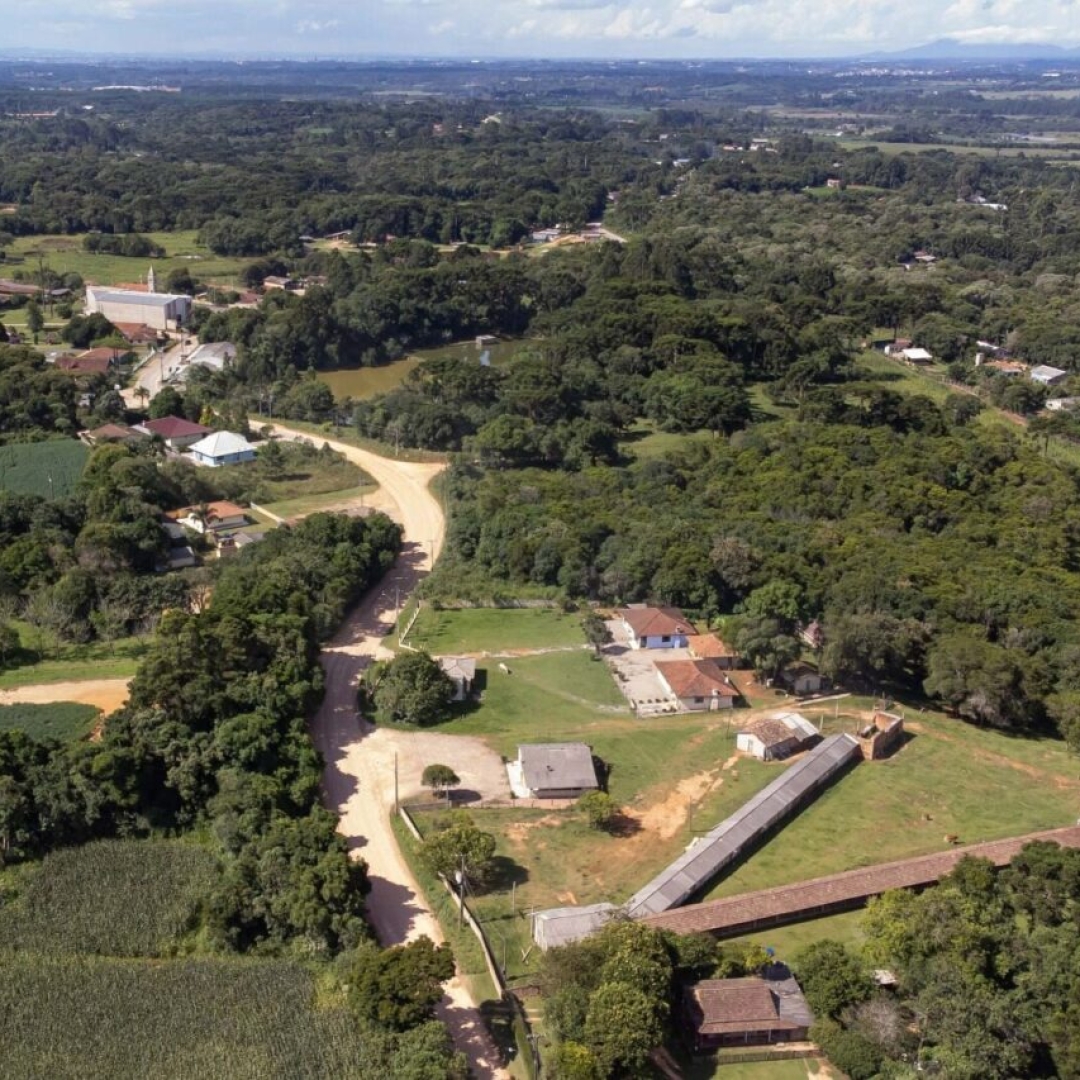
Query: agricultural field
column 62, row 720
column 49, row 469
column 110, row 898
column 65, row 255
column 107, row 1019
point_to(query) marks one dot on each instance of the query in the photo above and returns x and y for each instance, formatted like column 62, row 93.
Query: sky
column 528, row 28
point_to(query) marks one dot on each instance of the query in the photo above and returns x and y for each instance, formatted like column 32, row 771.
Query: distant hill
column 951, row 49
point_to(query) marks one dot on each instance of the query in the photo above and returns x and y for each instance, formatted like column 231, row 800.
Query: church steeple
column 151, row 284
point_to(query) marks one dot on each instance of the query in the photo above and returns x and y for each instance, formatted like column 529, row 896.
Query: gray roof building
column 561, row 926
column 704, row 859
column 548, row 768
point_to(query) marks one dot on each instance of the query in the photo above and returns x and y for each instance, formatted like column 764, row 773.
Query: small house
column 1046, row 375
column 108, row 433
column 895, row 348
column 712, row 647
column 174, row 431
column 222, row 448
column 812, row 634
column 649, row 627
column 751, row 1011
column 773, row 738
column 916, row 356
column 801, row 679
column 552, row 771
column 462, row 672
column 215, row 517
column 697, row 685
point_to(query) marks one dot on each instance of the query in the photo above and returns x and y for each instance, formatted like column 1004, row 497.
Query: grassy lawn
column 496, row 630
column 63, row 662
column 62, row 720
column 310, row 504
column 787, row 941
column 796, row 1069
column 65, row 255
column 949, row 779
column 645, row 441
column 49, row 469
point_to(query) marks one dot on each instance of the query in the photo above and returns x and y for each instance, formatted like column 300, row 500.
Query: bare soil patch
column 105, row 694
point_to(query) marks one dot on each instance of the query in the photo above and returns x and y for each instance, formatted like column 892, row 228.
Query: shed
column 801, row 679
column 562, row 926
column 1047, row 375
column 553, row 771
column 462, row 672
column 775, row 737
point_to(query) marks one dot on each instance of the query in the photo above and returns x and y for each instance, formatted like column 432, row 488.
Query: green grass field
column 496, row 630
column 49, row 469
column 62, row 720
column 110, row 898
column 327, row 500
column 797, row 1069
column 61, row 662
column 949, row 779
column 65, row 255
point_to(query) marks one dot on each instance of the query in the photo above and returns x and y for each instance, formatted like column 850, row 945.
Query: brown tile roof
column 735, row 1005
column 788, row 903
column 113, row 431
column 656, row 621
column 709, row 647
column 84, row 365
column 137, row 333
column 695, row 678
column 770, row 731
column 174, row 427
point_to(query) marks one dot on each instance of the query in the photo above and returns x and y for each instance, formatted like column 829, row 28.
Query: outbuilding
column 462, row 672
column 552, row 771
column 752, row 1011
column 773, row 738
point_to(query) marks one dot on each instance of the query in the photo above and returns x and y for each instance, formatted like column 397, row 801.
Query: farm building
column 697, row 685
column 159, row 311
column 773, row 738
column 561, row 926
column 656, row 627
column 700, row 863
column 745, row 1012
column 1047, row 375
column 712, row 647
column 552, row 771
column 222, row 448
column 882, row 735
column 462, row 672
column 174, row 431
column 801, row 679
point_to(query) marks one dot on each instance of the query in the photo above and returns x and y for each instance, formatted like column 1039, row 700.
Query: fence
column 523, row 1033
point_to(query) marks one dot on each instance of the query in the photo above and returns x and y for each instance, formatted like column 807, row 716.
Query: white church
column 161, row 311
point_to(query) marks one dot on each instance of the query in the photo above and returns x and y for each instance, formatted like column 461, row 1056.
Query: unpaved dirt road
column 358, row 782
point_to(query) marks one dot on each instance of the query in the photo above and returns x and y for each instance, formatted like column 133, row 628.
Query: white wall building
column 157, row 310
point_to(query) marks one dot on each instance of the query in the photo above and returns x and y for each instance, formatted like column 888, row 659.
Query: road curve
column 358, row 781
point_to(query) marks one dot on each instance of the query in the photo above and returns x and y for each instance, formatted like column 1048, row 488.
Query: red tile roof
column 174, row 427
column 648, row 621
column 709, row 647
column 84, row 365
column 695, row 678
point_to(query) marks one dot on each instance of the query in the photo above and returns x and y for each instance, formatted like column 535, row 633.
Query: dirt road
column 358, row 782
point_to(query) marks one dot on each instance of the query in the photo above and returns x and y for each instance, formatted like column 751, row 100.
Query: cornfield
column 88, row 1018
column 49, row 469
column 111, row 898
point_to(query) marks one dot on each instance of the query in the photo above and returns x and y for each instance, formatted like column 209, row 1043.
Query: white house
column 161, row 311
column 1047, row 375
column 772, row 738
column 222, row 448
column 916, row 356
column 802, row 679
column 696, row 685
column 656, row 627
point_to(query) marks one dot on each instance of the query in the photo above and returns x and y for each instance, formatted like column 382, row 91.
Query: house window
column 698, row 700
column 666, row 638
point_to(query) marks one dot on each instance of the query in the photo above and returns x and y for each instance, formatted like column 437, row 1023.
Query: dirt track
column 358, row 782
column 106, row 694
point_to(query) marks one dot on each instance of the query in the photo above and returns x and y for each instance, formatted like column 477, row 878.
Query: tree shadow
column 623, row 826
column 504, row 873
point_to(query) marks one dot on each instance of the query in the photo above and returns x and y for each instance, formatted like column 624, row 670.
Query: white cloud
column 699, row 28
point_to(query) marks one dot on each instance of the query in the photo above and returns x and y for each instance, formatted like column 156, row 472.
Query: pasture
column 47, row 660
column 63, row 720
column 49, row 469
column 495, row 630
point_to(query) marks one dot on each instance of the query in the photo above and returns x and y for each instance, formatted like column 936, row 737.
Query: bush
column 599, row 808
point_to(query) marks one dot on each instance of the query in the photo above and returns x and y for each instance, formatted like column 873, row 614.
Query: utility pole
column 397, row 806
column 461, row 893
